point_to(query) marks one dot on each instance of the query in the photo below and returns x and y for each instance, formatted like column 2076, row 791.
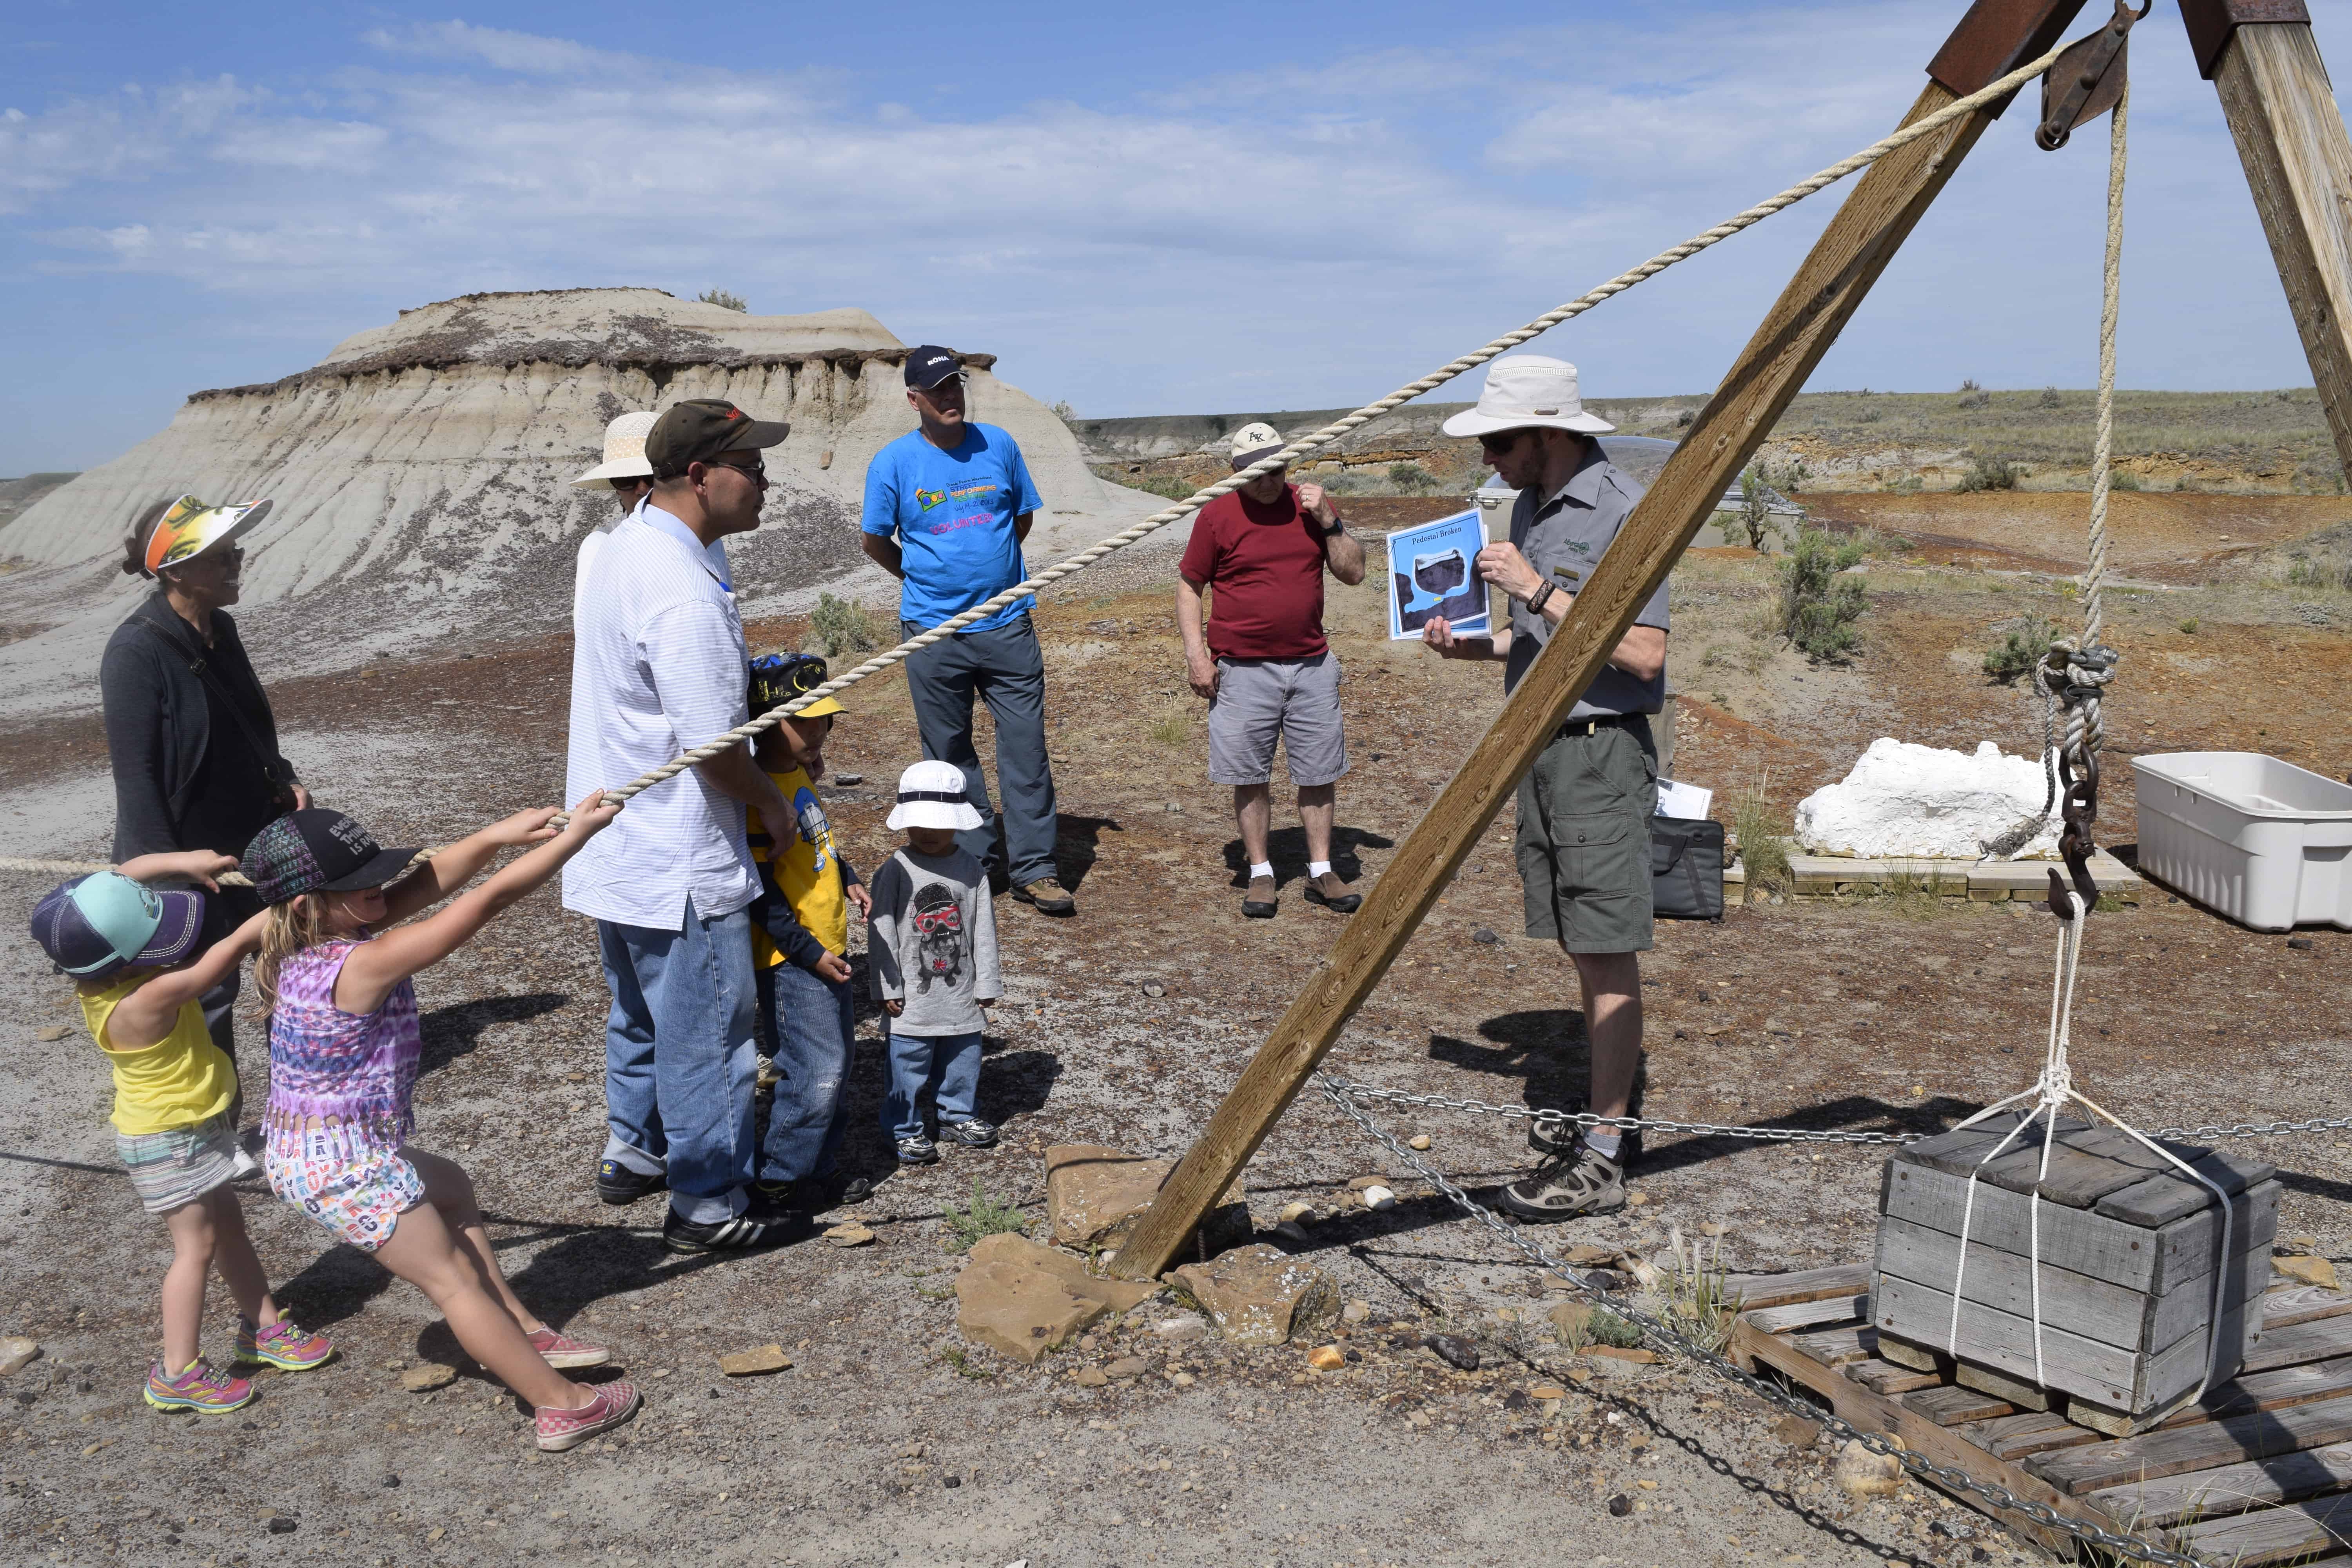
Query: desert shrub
column 1172, row 489
column 1756, row 509
column 1988, row 472
column 1698, row 1298
column 1173, row 727
column 1061, row 410
column 1606, row 1328
column 1869, row 541
column 1683, row 420
column 2029, row 637
column 2305, row 572
column 1762, row 833
column 844, row 626
column 1412, row 478
column 986, row 1217
column 723, row 299
column 2123, row 479
column 1789, row 478
column 1818, row 608
column 2049, row 398
column 2190, row 625
column 1969, row 385
column 1973, row 396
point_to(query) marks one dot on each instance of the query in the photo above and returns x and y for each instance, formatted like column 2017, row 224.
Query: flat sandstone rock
column 1257, row 1295
column 1094, row 1196
column 1022, row 1299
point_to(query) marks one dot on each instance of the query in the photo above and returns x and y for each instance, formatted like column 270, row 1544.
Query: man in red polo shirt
column 1261, row 659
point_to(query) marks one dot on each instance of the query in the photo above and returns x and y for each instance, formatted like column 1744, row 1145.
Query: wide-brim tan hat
column 625, row 451
column 1525, row 391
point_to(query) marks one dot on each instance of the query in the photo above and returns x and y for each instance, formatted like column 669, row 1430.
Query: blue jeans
column 810, row 1022
column 679, row 1063
column 948, row 1065
column 1003, row 668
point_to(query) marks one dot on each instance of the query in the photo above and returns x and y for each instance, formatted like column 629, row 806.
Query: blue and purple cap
column 96, row 925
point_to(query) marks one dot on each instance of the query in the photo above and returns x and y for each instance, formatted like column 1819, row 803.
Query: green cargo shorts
column 1583, row 847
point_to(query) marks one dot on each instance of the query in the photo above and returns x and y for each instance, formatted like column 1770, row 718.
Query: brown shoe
column 1046, row 894
column 1332, row 893
column 1257, row 900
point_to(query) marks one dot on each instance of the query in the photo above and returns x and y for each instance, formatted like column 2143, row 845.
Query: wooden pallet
column 2258, row 1471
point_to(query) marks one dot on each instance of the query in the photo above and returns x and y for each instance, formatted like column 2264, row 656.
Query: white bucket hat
column 1524, row 390
column 625, row 451
column 931, row 794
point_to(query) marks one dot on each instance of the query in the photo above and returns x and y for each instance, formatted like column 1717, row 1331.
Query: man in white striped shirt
column 657, row 668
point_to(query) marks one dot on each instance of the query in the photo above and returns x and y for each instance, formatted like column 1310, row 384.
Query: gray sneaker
column 972, row 1132
column 1566, row 1186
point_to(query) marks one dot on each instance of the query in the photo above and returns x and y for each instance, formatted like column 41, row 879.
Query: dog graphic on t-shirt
column 938, row 936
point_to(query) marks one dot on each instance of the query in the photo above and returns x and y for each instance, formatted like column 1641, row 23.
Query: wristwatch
column 1339, row 526
column 1538, row 599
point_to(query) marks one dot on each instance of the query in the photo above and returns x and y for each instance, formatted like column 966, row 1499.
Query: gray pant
column 1003, row 668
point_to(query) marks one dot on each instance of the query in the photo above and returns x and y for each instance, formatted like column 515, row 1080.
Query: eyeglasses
column 756, row 470
column 1500, row 442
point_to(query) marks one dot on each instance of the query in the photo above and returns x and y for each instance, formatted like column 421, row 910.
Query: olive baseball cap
column 700, row 429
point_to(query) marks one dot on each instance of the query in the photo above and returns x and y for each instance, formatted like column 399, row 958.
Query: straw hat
column 1529, row 390
column 625, row 451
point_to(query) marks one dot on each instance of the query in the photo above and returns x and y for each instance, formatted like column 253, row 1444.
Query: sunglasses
column 756, row 470
column 1499, row 443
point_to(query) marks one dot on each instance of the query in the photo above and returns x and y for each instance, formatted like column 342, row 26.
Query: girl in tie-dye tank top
column 336, row 976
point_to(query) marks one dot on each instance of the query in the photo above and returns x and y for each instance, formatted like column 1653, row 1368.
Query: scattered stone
column 1620, row 1506
column 281, row 1525
column 1715, row 1228
column 1454, row 1350
column 1292, row 1213
column 1327, row 1358
column 1126, row 1366
column 424, row 1378
column 1547, row 1390
column 390, row 1482
column 1093, row 1196
column 1637, row 1199
column 1022, row 1299
column 1184, row 1380
column 2310, row 1270
column 1641, row 1269
column 1864, row 1474
column 1292, row 1231
column 51, row 1032
column 848, row 1234
column 1418, row 1141
column 1257, row 1295
column 1379, row 1198
column 846, row 780
column 1358, row 1184
column 1184, row 1326
column 1584, row 1252
column 1485, row 937
column 1797, row 1431
column 1091, row 1377
column 16, row 1352
column 1154, row 989
column 750, row 1364
column 2304, row 1243
column 1618, row 1352
column 2300, row 944
column 951, row 1481
column 1355, row 1311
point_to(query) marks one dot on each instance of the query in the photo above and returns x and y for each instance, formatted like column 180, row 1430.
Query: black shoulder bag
column 280, row 779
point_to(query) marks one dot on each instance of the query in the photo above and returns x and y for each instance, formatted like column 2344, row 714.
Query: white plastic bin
column 2264, row 842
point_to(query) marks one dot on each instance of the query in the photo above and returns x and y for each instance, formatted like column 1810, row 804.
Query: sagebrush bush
column 844, row 626
column 1988, row 472
column 1818, row 606
column 2021, row 650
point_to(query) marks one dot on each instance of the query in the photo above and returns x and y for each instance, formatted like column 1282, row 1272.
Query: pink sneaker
column 198, row 1388
column 560, row 1350
column 283, row 1346
column 612, row 1403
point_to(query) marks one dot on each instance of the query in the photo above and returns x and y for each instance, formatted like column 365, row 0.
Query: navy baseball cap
column 95, row 925
column 930, row 364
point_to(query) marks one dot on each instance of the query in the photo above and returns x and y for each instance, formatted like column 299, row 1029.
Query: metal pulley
column 2087, row 79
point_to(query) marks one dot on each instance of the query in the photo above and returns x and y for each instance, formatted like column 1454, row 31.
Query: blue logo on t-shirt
column 952, row 514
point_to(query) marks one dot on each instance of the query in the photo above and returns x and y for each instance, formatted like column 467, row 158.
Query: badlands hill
column 420, row 471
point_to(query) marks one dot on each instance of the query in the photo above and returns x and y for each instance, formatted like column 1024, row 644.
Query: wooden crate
column 2129, row 1248
column 2250, row 1475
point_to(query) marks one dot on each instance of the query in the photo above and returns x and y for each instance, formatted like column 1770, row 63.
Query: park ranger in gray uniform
column 1585, row 806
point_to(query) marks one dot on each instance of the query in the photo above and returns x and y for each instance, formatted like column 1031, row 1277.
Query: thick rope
column 1927, row 126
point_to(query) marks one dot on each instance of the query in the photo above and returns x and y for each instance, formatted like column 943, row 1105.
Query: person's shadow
column 456, row 1030
column 1287, row 848
column 1078, row 844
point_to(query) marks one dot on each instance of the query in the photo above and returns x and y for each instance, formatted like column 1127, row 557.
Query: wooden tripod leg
column 2275, row 95
column 1801, row 328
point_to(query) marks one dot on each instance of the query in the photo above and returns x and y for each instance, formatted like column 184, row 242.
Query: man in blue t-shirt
column 947, row 506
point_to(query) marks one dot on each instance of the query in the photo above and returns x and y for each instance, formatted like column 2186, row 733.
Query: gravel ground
column 879, row 1446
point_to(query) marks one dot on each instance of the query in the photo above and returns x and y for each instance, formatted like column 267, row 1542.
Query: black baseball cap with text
column 699, row 428
column 930, row 364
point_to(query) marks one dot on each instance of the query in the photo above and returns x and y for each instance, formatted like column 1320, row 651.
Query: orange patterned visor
column 191, row 527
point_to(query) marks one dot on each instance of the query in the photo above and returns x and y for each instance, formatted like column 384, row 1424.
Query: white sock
column 1261, row 867
column 1316, row 868
column 1604, row 1142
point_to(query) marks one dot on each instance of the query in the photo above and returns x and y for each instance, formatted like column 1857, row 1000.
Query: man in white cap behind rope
column 1583, row 844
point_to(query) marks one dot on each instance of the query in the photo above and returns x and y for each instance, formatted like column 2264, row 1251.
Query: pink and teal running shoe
column 282, row 1345
column 199, row 1388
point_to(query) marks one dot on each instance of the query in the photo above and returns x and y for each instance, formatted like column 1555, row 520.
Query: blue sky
column 1139, row 209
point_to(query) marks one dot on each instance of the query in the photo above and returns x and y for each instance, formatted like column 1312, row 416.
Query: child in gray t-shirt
column 932, row 954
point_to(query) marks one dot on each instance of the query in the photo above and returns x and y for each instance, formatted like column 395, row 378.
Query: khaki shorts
column 1583, row 846
column 1261, row 701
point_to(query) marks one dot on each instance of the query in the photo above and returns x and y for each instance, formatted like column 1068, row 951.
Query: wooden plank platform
column 1829, row 876
column 2258, row 1471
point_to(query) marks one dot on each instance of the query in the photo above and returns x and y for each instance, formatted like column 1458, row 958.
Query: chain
column 1339, row 1091
column 1364, row 1091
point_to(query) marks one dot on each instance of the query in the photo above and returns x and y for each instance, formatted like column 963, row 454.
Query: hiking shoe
column 1257, row 899
column 845, row 1193
column 972, row 1132
column 282, row 1345
column 918, row 1151
column 199, row 1388
column 1332, row 893
column 1548, row 1138
column 561, row 1351
column 1568, row 1185
column 1049, row 897
column 612, row 1403
column 742, row 1234
column 619, row 1185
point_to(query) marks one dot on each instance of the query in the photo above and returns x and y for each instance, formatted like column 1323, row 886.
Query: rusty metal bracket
column 1994, row 39
column 2088, row 79
column 2213, row 23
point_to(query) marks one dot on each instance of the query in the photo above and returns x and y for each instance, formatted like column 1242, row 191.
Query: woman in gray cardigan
column 188, row 728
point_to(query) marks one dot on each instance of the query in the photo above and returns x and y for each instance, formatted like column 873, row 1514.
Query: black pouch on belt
column 1685, row 869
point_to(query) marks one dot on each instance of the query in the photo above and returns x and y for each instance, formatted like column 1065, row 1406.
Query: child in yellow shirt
column 128, row 946
column 800, row 944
